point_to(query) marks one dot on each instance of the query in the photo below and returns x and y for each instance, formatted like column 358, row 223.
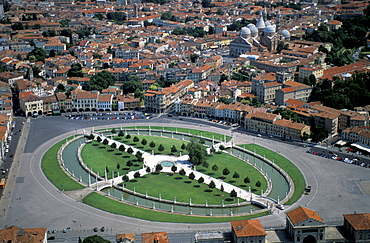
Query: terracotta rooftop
column 245, row 228
column 301, row 214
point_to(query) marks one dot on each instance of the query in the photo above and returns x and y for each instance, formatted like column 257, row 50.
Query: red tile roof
column 245, row 228
column 301, row 214
column 358, row 221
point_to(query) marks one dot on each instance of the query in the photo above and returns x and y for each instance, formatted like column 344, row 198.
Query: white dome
column 245, row 31
column 285, row 33
column 269, row 29
column 253, row 29
column 267, row 23
column 251, row 25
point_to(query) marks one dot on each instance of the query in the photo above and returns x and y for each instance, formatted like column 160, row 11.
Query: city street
column 30, row 200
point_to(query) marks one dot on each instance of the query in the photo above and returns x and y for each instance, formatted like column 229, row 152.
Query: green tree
column 125, row 178
column 130, row 150
column 152, row 144
column 183, row 146
column 75, row 70
column 194, row 58
column 197, row 152
column 158, row 167
column 224, row 100
column 212, row 185
column 215, row 168
column 121, row 148
column 113, row 131
column 233, row 193
column 247, row 180
column 174, row 168
column 113, row 145
column 258, row 184
column 118, row 166
column 200, row 180
column 236, row 175
column 173, row 149
column 128, row 136
column 222, row 188
column 182, row 172
column 191, row 176
column 147, row 169
column 137, row 174
column 129, row 163
column 221, row 147
column 205, row 164
column 226, row 171
column 105, row 142
column 121, row 133
column 139, row 156
column 144, row 142
column 136, row 139
column 160, row 148
column 95, row 239
column 99, row 81
column 166, row 16
column 98, row 139
column 37, row 54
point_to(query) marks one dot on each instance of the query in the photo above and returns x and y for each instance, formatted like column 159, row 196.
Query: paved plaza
column 30, row 200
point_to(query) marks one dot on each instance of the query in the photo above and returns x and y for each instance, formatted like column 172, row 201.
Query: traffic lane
column 330, row 152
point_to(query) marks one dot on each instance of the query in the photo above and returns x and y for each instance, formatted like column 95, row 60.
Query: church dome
column 246, row 31
column 269, row 29
column 267, row 23
column 285, row 33
column 250, row 25
column 253, row 29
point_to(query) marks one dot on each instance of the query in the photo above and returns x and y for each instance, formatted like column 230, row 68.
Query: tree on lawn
column 222, row 188
column 212, row 185
column 160, row 148
column 98, row 139
column 173, row 149
column 125, row 178
column 137, row 174
column 173, row 168
column 205, row 164
column 158, row 167
column 247, row 180
column 91, row 136
column 222, row 147
column 106, row 169
column 129, row 163
column 113, row 131
column 197, row 152
column 236, row 175
column 182, row 172
column 258, row 184
column 113, row 145
column 233, row 193
column 152, row 144
column 105, row 142
column 136, row 139
column 191, row 176
column 226, row 171
column 128, row 136
column 139, row 156
column 121, row 133
column 121, row 148
column 183, row 146
column 201, row 180
column 215, row 168
column 130, row 150
column 118, row 166
column 95, row 239
column 148, row 169
column 144, row 142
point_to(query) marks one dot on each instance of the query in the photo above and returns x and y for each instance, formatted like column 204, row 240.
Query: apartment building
column 84, row 100
column 359, row 134
column 273, row 124
column 305, row 72
column 30, row 104
column 292, row 90
column 200, row 73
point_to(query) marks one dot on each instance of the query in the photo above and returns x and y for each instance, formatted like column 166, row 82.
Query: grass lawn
column 54, row 172
column 233, row 164
column 286, row 165
column 166, row 142
column 99, row 157
column 107, row 204
column 181, row 187
column 194, row 132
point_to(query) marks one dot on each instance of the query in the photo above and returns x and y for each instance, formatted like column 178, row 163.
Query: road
column 34, row 202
